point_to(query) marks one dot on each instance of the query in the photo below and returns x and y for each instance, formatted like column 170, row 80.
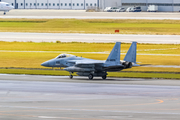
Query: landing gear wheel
column 90, row 76
column 4, row 13
column 104, row 77
column 71, row 76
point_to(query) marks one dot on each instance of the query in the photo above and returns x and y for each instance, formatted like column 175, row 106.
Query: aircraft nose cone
column 46, row 64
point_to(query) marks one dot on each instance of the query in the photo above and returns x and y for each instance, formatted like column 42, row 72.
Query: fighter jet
column 6, row 7
column 95, row 68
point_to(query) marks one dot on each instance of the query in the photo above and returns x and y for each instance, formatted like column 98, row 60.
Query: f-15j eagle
column 95, row 68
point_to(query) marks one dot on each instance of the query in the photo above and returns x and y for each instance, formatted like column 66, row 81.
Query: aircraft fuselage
column 6, row 7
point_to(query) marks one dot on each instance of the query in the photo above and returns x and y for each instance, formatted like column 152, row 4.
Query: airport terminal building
column 163, row 5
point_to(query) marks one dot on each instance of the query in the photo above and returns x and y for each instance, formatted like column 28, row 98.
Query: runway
column 105, row 38
column 26, row 97
column 81, row 14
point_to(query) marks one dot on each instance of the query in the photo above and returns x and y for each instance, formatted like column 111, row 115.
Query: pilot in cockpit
column 63, row 56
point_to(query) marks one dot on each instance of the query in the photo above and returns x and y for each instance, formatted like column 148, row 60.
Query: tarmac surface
column 105, row 38
column 26, row 97
column 81, row 14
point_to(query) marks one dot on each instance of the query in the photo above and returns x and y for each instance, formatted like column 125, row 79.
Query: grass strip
column 34, row 72
column 144, row 75
column 114, row 74
column 163, row 27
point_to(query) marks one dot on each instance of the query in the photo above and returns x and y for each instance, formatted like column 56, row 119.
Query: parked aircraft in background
column 95, row 68
column 6, row 7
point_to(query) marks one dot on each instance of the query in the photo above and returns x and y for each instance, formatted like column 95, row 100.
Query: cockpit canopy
column 64, row 56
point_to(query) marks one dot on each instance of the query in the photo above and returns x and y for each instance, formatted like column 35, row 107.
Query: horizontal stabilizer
column 135, row 65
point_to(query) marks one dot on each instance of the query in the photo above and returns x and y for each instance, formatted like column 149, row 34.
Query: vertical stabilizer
column 131, row 54
column 114, row 56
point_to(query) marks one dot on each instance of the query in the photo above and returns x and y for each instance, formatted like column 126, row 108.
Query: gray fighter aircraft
column 95, row 68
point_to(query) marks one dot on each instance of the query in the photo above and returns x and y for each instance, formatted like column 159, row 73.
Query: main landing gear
column 90, row 76
column 71, row 76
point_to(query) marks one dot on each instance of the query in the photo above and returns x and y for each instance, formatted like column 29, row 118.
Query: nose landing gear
column 71, row 76
column 104, row 77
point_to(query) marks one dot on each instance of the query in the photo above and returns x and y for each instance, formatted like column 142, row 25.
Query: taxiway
column 54, row 97
column 82, row 14
column 105, row 38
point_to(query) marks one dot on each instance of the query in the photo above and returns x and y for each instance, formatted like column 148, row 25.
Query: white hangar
column 62, row 4
column 163, row 5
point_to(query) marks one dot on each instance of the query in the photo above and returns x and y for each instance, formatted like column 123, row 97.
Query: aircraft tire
column 90, row 76
column 4, row 13
column 71, row 76
column 104, row 77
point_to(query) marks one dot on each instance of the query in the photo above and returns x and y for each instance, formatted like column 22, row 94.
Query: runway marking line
column 159, row 102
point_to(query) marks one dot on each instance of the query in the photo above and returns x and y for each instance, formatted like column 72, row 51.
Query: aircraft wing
column 84, row 65
column 85, row 62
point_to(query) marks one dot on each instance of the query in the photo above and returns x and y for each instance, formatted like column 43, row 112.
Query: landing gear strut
column 70, row 76
column 90, row 76
column 104, row 77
